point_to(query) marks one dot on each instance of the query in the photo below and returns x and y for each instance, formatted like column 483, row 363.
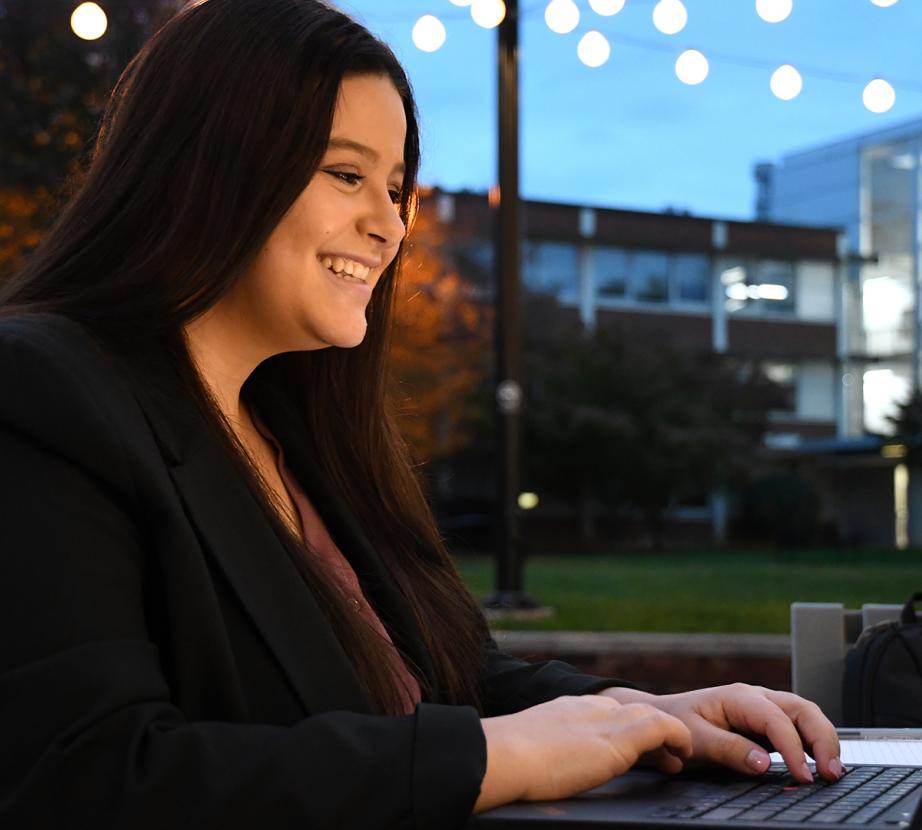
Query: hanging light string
column 747, row 62
column 692, row 66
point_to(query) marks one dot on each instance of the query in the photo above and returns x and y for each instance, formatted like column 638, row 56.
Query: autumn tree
column 441, row 345
column 53, row 91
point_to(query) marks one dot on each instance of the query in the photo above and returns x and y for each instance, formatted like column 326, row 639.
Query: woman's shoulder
column 45, row 332
column 58, row 385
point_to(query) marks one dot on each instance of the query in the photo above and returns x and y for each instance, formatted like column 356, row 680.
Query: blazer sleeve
column 89, row 734
column 512, row 684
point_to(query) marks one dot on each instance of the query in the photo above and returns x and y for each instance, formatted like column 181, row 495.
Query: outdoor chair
column 821, row 633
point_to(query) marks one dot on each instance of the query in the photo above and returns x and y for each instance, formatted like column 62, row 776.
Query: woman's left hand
column 720, row 717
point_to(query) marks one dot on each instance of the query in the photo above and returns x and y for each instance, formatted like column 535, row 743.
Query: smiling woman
column 230, row 600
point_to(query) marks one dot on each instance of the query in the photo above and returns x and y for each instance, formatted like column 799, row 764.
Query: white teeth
column 340, row 265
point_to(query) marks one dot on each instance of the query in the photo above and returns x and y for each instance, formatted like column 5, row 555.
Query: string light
column 429, row 33
column 606, row 8
column 786, row 82
column 691, row 67
column 593, row 49
column 488, row 13
column 670, row 16
column 88, row 21
column 561, row 16
column 774, row 11
column 878, row 96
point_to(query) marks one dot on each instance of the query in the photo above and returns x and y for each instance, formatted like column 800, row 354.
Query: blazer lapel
column 376, row 581
column 237, row 536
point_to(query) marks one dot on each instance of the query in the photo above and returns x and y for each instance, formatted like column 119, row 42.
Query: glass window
column 891, row 171
column 551, row 268
column 784, row 376
column 759, row 286
column 692, row 274
column 610, row 267
column 649, row 276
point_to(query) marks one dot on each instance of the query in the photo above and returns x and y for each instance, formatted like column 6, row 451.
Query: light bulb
column 488, row 13
column 884, row 3
column 88, row 21
column 606, row 8
column 774, row 11
column 561, row 16
column 428, row 33
column 593, row 49
column 786, row 82
column 670, row 16
column 691, row 67
column 878, row 96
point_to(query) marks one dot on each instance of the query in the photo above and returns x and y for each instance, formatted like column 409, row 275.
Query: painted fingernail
column 835, row 767
column 758, row 760
column 805, row 772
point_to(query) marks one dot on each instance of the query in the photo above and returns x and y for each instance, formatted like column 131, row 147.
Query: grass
column 738, row 591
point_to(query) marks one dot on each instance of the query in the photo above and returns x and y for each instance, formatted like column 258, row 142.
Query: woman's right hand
column 571, row 744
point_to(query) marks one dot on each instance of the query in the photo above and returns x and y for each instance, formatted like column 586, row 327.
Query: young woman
column 224, row 598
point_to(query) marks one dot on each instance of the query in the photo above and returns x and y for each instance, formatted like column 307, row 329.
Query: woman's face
column 310, row 284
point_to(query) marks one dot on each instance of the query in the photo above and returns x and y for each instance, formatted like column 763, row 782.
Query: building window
column 784, row 376
column 759, row 286
column 551, row 268
column 649, row 276
column 610, row 272
column 692, row 277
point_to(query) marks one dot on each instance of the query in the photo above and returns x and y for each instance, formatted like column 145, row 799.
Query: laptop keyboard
column 856, row 798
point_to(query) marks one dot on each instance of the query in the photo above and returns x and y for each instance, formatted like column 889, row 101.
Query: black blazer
column 163, row 664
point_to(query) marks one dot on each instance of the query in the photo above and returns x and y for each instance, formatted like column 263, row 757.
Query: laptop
column 871, row 795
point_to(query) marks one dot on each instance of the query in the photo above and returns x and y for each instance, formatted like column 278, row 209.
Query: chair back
column 821, row 633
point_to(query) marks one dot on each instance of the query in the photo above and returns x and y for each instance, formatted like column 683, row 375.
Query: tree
column 907, row 420
column 441, row 346
column 53, row 90
column 636, row 424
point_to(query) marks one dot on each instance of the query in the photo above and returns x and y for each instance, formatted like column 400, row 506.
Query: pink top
column 320, row 542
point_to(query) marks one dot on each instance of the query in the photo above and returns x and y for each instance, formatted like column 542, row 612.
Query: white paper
column 893, row 752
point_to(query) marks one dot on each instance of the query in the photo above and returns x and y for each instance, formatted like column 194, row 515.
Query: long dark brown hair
column 210, row 134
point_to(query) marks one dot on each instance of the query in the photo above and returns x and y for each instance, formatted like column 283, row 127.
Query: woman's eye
column 348, row 178
column 395, row 196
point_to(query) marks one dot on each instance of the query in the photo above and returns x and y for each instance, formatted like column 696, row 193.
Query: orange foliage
column 441, row 345
column 24, row 214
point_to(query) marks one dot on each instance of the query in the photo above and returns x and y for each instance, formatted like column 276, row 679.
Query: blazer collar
column 236, row 534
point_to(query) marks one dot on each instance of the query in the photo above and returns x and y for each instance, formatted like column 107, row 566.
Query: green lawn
column 725, row 591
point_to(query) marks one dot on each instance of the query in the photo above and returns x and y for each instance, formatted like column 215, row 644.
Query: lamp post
column 509, row 595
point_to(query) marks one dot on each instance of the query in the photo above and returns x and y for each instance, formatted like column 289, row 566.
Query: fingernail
column 805, row 771
column 835, row 767
column 758, row 760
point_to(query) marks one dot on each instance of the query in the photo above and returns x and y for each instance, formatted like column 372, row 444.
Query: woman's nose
column 383, row 221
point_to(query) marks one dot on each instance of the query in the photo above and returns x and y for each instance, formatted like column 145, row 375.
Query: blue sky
column 630, row 134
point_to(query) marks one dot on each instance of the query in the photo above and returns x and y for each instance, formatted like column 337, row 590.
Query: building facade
column 869, row 186
column 762, row 292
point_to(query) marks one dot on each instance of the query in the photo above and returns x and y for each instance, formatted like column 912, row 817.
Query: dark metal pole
column 509, row 583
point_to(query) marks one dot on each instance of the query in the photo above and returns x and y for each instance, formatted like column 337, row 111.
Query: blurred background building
column 868, row 186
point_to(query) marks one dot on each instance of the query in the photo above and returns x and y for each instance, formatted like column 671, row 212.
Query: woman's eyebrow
column 362, row 149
